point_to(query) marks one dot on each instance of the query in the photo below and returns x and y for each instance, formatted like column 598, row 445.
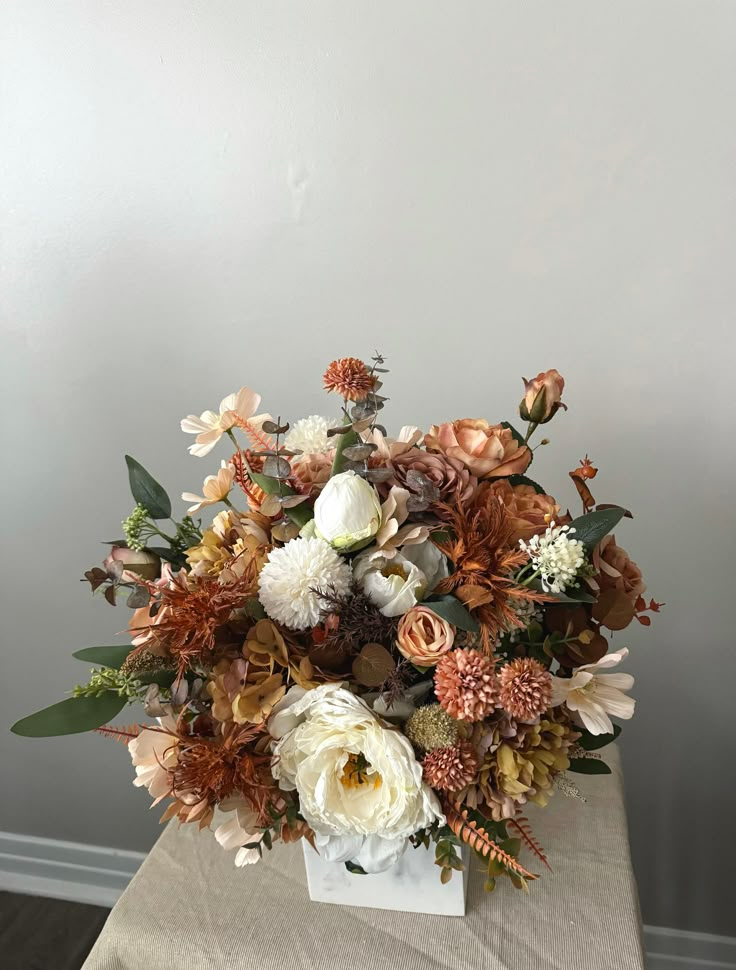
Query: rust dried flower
column 350, row 378
column 525, row 688
column 465, row 685
column 451, row 769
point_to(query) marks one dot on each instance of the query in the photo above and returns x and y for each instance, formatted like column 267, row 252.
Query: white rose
column 360, row 786
column 347, row 512
column 397, row 584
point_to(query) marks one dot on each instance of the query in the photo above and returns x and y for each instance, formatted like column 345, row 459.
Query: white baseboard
column 65, row 870
column 98, row 875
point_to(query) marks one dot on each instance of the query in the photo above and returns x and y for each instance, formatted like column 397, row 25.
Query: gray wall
column 199, row 195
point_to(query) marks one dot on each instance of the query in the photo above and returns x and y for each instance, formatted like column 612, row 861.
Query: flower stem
column 344, row 441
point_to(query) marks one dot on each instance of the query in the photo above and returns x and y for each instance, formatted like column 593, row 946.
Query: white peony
column 360, row 786
column 398, row 583
column 347, row 512
column 288, row 580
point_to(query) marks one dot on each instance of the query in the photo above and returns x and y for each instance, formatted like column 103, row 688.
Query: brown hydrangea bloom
column 465, row 685
column 525, row 688
column 350, row 378
column 451, row 769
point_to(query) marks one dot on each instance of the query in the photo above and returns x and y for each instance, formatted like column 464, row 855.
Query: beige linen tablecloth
column 189, row 908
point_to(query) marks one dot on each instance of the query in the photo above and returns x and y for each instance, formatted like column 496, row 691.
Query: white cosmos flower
column 347, row 512
column 398, row 583
column 152, row 753
column 210, row 426
column 360, row 786
column 239, row 831
column 216, row 489
column 292, row 573
column 310, row 435
column 592, row 696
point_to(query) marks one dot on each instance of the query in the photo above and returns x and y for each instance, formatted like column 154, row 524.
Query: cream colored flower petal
column 192, row 424
column 593, row 717
column 622, row 681
column 205, row 442
column 244, row 402
column 610, row 660
column 614, row 701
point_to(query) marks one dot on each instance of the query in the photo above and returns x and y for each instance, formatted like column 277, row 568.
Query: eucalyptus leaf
column 591, row 528
column 113, row 656
column 72, row 716
column 147, row 491
column 452, row 610
column 300, row 514
column 591, row 742
column 589, row 766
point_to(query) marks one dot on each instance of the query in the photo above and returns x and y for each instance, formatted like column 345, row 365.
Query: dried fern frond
column 474, row 835
column 522, row 826
column 124, row 734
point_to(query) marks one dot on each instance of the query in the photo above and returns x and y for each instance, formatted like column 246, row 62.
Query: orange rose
column 542, row 397
column 488, row 450
column 423, row 637
column 529, row 511
column 616, row 570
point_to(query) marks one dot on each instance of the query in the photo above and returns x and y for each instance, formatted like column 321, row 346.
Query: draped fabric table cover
column 189, row 907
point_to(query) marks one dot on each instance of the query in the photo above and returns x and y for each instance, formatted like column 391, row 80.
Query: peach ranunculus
column 488, row 450
column 616, row 570
column 530, row 512
column 424, row 637
column 451, row 477
column 542, row 395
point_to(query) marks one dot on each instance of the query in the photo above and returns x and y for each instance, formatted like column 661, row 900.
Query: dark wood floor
column 46, row 934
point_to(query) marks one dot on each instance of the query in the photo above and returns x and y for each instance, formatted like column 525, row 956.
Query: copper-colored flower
column 311, row 472
column 529, row 511
column 451, row 769
column 350, row 378
column 450, row 476
column 488, row 450
column 542, row 396
column 465, row 685
column 485, row 557
column 616, row 570
column 423, row 637
column 525, row 688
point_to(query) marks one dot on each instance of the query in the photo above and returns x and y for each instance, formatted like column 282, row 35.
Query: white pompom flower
column 557, row 557
column 288, row 580
column 310, row 435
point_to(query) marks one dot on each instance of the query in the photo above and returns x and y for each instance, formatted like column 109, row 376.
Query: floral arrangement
column 375, row 642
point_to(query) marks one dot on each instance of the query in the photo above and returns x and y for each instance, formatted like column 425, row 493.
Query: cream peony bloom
column 396, row 584
column 360, row 786
column 593, row 696
column 216, row 489
column 347, row 512
column 152, row 753
column 209, row 427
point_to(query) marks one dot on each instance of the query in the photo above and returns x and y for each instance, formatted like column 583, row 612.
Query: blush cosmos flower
column 235, row 409
column 359, row 783
column 593, row 696
column 288, row 582
column 154, row 754
column 216, row 488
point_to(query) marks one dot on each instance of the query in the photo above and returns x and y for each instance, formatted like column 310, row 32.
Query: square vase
column 411, row 886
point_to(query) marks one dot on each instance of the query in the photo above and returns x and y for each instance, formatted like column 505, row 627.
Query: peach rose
column 488, row 450
column 530, row 512
column 542, row 397
column 616, row 570
column 423, row 637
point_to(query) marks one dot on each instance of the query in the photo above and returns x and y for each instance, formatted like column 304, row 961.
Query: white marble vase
column 411, row 886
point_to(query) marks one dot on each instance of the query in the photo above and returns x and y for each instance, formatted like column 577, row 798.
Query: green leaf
column 147, row 491
column 591, row 742
column 591, row 528
column 72, row 716
column 589, row 766
column 452, row 610
column 164, row 678
column 355, row 869
column 299, row 514
column 518, row 437
column 523, row 480
column 104, row 656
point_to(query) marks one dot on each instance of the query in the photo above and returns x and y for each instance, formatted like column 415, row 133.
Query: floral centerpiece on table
column 373, row 642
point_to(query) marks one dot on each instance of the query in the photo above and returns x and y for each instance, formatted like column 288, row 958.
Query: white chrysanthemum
column 310, row 435
column 556, row 556
column 292, row 574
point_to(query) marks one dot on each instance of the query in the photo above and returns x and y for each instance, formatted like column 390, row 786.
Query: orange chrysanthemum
column 350, row 378
column 451, row 769
column 465, row 685
column 485, row 558
column 525, row 688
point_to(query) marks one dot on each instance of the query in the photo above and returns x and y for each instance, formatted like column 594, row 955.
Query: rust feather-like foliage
column 210, row 769
column 124, row 734
column 192, row 608
column 485, row 558
column 521, row 824
column 474, row 835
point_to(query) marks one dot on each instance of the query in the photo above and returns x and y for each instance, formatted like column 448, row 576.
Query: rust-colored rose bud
column 542, row 395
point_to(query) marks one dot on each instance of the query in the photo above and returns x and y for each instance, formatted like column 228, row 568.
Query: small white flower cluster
column 557, row 557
